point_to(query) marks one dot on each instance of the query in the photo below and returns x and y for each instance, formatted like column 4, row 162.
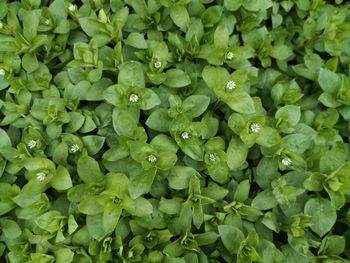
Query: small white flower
column 134, row 98
column 72, row 7
column 157, row 64
column 40, row 176
column 151, row 158
column 231, row 85
column 255, row 127
column 2, row 72
column 212, row 157
column 229, row 56
column 185, row 135
column 286, row 161
column 74, row 148
column 47, row 22
column 31, row 144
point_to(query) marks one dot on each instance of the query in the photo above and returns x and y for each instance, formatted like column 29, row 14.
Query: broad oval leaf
column 323, row 215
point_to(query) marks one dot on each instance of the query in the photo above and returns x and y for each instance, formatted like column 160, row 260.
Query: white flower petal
column 231, row 85
column 157, row 64
column 255, row 127
column 31, row 144
column 72, row 7
column 134, row 98
column 74, row 148
column 40, row 176
column 185, row 135
column 151, row 158
column 286, row 161
column 229, row 56
column 212, row 157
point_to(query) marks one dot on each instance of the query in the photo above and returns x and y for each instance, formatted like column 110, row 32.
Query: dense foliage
column 176, row 131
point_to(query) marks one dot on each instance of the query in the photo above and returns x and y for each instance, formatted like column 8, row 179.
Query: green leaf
column 206, row 238
column 211, row 15
column 270, row 220
column 94, row 225
column 343, row 94
column 242, row 191
column 125, row 121
column 163, row 142
column 195, row 30
column 288, row 116
column 72, row 224
column 33, row 164
column 329, row 100
column 214, row 77
column 218, row 172
column 139, row 207
column 212, row 124
column 332, row 245
column 141, row 183
column 264, row 200
column 93, row 143
column 231, row 237
column 161, row 53
column 221, row 37
column 170, row 206
column 232, row 5
column 197, row 104
column 117, row 184
column 10, row 229
column 4, row 139
column 60, row 154
column 323, row 215
column 281, row 52
column 116, row 153
column 30, row 62
column 64, row 255
column 101, row 32
column 332, row 159
column 77, row 121
column 180, row 16
column 268, row 137
column 215, row 144
column 315, row 182
column 89, row 170
column 131, row 74
column 90, row 206
column 30, row 25
column 166, row 160
column 49, row 221
column 136, row 40
column 111, row 216
column 113, row 95
column 240, row 101
column 179, row 177
column 237, row 153
column 194, row 150
column 328, row 81
column 139, row 151
column 176, row 78
column 95, row 92
column 255, row 6
column 149, row 99
column 159, row 120
column 62, row 179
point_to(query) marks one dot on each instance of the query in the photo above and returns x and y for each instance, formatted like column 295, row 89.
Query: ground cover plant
column 175, row 131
